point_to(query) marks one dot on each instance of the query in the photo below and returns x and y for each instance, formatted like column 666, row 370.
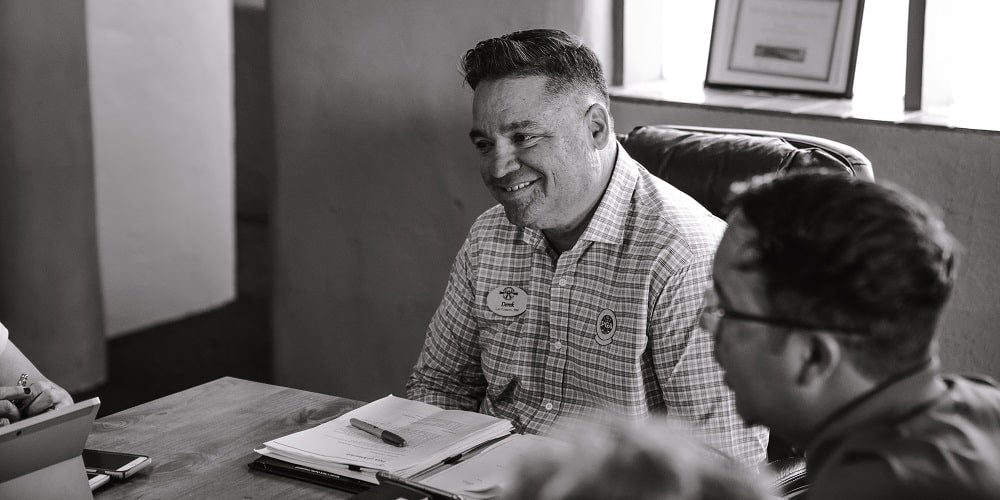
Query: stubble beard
column 522, row 213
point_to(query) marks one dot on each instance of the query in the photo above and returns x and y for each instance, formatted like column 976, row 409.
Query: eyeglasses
column 713, row 314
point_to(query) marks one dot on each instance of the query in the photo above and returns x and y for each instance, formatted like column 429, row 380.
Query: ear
column 819, row 355
column 599, row 125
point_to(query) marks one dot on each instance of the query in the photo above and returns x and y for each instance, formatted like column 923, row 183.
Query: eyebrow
column 518, row 125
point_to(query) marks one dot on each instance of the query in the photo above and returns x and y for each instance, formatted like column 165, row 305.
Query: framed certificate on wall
column 802, row 46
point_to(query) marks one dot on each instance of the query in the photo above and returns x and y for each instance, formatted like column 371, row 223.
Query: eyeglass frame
column 718, row 313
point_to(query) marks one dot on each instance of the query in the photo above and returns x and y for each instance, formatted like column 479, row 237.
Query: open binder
column 449, row 453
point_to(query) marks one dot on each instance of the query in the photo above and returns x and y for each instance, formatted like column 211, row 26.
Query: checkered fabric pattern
column 610, row 325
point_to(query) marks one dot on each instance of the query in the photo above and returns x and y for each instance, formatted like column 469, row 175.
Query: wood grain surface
column 201, row 439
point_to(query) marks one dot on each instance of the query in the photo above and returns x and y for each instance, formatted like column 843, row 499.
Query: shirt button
column 548, row 406
column 557, row 345
column 563, row 281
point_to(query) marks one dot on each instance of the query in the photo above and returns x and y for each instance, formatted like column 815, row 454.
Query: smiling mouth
column 517, row 187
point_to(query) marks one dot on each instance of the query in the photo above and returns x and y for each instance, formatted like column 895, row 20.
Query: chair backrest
column 704, row 161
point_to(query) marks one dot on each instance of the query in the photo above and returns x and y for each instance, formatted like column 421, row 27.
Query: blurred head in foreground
column 644, row 461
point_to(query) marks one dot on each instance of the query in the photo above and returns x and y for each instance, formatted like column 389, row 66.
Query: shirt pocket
column 502, row 345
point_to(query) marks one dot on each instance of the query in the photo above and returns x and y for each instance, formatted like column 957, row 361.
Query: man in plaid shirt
column 581, row 290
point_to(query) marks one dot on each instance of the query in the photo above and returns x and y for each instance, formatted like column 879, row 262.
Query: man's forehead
column 506, row 105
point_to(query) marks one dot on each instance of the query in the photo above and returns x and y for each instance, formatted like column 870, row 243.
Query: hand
column 8, row 410
column 46, row 396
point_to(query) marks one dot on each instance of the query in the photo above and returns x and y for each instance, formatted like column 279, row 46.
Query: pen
column 386, row 436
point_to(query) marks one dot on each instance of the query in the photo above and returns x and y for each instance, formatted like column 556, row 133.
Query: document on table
column 491, row 469
column 431, row 434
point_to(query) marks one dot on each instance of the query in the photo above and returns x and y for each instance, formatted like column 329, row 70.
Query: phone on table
column 97, row 480
column 112, row 463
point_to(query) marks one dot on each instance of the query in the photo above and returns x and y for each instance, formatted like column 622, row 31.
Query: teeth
column 516, row 187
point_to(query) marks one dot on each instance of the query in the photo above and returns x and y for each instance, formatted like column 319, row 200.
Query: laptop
column 41, row 454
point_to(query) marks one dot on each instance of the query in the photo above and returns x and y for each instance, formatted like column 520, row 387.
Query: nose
column 503, row 161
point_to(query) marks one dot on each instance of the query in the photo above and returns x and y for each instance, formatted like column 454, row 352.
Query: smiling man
column 580, row 291
column 827, row 294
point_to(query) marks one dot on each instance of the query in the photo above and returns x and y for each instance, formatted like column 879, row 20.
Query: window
column 669, row 39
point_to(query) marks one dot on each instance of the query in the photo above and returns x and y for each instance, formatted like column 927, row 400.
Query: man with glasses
column 827, row 293
column 581, row 290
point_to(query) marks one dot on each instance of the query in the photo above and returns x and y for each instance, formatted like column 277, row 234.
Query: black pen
column 386, row 436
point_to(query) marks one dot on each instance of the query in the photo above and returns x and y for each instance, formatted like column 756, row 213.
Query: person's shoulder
column 923, row 454
column 493, row 219
column 492, row 228
column 975, row 382
column 975, row 397
column 879, row 480
column 670, row 215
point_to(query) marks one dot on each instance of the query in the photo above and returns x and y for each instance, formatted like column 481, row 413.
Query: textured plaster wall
column 957, row 170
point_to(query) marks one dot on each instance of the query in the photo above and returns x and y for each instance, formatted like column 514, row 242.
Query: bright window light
column 960, row 70
column 960, row 76
column 686, row 29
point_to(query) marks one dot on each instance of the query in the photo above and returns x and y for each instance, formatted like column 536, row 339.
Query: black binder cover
column 281, row 468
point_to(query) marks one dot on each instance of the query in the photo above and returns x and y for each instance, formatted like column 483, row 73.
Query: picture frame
column 796, row 46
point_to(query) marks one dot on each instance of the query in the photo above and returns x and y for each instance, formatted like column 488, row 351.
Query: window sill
column 858, row 108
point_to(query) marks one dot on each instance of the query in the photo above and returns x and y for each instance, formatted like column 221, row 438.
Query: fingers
column 60, row 398
column 42, row 402
column 49, row 396
column 11, row 391
column 9, row 412
column 4, row 421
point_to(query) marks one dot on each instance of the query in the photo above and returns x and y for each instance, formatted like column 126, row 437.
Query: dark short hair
column 843, row 253
column 563, row 58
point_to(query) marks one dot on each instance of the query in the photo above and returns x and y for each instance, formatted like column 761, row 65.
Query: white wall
column 161, row 100
column 957, row 170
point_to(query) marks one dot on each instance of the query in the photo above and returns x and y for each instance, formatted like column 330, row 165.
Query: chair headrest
column 703, row 163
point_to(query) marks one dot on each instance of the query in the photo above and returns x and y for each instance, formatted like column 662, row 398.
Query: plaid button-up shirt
column 611, row 324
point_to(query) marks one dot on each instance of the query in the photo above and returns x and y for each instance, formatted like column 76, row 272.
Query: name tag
column 507, row 300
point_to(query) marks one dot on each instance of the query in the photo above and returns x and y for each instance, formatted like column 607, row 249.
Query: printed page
column 484, row 474
column 431, row 435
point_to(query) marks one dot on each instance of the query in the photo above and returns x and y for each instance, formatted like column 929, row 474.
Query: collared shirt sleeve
column 690, row 378
column 448, row 372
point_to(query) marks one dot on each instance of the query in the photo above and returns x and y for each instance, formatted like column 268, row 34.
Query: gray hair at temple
column 563, row 58
column 628, row 461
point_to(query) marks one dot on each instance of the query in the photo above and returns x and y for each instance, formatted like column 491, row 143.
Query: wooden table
column 201, row 440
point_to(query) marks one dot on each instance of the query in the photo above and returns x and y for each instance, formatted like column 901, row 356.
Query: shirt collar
column 608, row 223
column 885, row 406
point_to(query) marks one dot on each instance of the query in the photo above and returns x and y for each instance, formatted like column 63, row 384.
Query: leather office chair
column 704, row 161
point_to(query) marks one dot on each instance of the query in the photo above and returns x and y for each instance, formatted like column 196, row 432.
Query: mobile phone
column 97, row 480
column 114, row 464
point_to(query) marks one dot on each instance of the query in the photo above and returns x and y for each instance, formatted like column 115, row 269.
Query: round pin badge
column 507, row 300
column 607, row 325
